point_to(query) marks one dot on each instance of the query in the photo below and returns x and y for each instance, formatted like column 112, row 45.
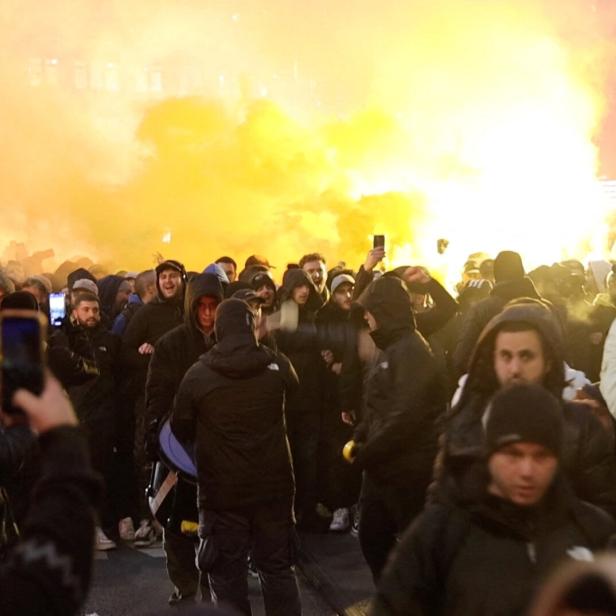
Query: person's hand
column 336, row 368
column 51, row 409
column 416, row 274
column 374, row 257
column 146, row 349
column 348, row 417
column 328, row 357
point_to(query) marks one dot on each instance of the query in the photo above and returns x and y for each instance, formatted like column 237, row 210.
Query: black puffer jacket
column 587, row 460
column 480, row 314
column 301, row 345
column 489, row 557
column 176, row 352
column 397, row 440
column 233, row 399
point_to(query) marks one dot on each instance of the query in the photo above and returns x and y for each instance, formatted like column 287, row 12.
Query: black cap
column 524, row 413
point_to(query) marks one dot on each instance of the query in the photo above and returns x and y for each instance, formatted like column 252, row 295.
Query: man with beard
column 231, row 405
column 147, row 325
column 95, row 400
column 523, row 345
column 174, row 353
column 314, row 265
column 396, row 441
column 113, row 292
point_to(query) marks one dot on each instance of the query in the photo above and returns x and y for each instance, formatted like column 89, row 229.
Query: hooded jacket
column 231, row 405
column 480, row 314
column 489, row 556
column 177, row 351
column 301, row 345
column 107, row 291
column 587, row 460
column 397, row 439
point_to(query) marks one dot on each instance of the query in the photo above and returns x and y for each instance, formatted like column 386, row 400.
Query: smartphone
column 57, row 309
column 378, row 241
column 21, row 354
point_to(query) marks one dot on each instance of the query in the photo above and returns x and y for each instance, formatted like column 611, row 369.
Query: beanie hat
column 85, row 284
column 341, row 279
column 524, row 413
column 508, row 266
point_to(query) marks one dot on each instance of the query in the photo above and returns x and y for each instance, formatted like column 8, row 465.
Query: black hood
column 237, row 353
column 200, row 286
column 294, row 278
column 481, row 375
column 178, row 267
column 107, row 291
column 79, row 274
column 390, row 304
column 513, row 289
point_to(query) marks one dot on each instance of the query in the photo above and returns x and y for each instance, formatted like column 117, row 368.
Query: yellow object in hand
column 189, row 528
column 348, row 451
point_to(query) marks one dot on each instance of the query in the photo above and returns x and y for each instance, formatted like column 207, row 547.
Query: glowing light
column 166, row 239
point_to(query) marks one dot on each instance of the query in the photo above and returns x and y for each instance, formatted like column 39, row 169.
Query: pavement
column 333, row 578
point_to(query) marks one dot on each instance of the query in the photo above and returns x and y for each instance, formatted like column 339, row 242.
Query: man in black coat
column 397, row 439
column 174, row 353
column 522, row 344
column 231, row 405
column 297, row 339
column 516, row 519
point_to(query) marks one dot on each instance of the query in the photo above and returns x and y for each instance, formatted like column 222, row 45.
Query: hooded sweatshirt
column 405, row 395
column 107, row 291
column 232, row 401
column 587, row 460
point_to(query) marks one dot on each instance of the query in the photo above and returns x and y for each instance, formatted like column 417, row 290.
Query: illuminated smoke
column 196, row 129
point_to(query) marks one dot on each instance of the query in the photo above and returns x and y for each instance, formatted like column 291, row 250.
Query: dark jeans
column 385, row 512
column 181, row 568
column 304, row 430
column 266, row 531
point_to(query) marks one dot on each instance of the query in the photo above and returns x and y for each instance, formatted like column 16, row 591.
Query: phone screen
column 22, row 361
column 57, row 308
column 379, row 241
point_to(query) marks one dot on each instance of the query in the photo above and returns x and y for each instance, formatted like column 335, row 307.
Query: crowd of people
column 477, row 427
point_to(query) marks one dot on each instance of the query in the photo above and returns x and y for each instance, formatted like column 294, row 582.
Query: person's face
column 369, row 318
column 316, row 270
column 343, row 296
column 519, row 358
column 229, row 270
column 41, row 296
column 301, row 294
column 522, row 473
column 206, row 313
column 268, row 295
column 124, row 291
column 88, row 314
column 170, row 283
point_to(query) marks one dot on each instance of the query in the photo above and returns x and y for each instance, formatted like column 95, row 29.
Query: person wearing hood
column 174, row 354
column 396, row 441
column 113, row 292
column 516, row 520
column 511, row 283
column 230, row 405
column 297, row 339
column 145, row 291
column 523, row 345
column 264, row 285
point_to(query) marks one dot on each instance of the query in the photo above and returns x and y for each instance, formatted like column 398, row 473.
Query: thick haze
column 283, row 127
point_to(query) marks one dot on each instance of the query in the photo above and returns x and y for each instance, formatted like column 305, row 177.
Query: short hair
column 313, row 256
column 85, row 296
column 143, row 280
column 227, row 260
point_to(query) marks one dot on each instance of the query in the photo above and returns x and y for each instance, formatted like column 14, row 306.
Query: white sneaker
column 103, row 543
column 145, row 535
column 341, row 522
column 126, row 529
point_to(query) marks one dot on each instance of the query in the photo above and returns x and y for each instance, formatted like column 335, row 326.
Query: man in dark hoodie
column 113, row 292
column 516, row 520
column 511, row 283
column 174, row 354
column 147, row 325
column 297, row 339
column 231, row 405
column 523, row 345
column 397, row 439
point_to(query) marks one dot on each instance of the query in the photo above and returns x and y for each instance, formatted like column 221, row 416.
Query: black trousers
column 385, row 512
column 267, row 532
